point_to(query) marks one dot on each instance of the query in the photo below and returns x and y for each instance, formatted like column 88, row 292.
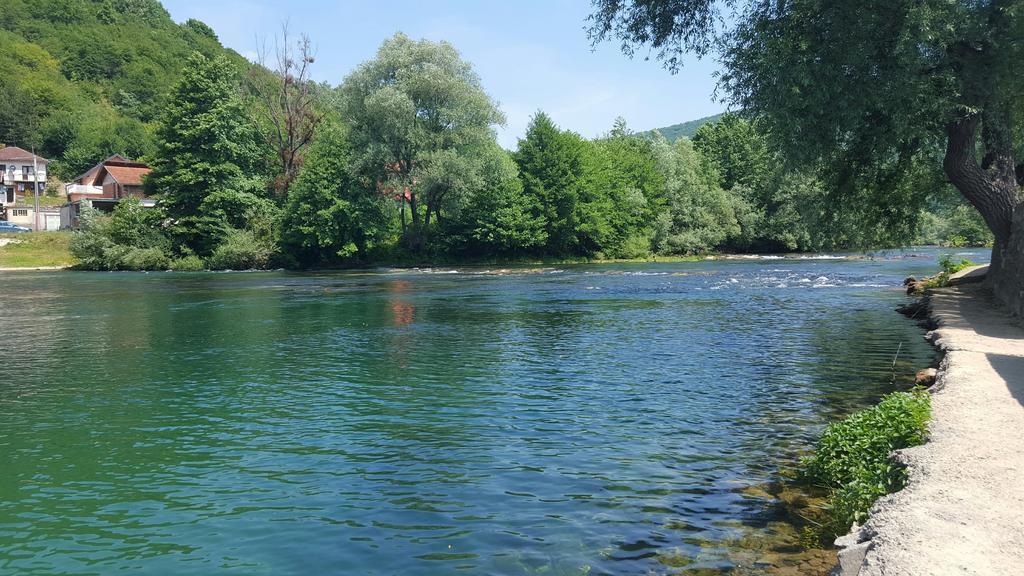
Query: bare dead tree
column 291, row 106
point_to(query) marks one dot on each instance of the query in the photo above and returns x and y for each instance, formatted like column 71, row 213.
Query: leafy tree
column 736, row 150
column 129, row 239
column 445, row 178
column 622, row 192
column 496, row 217
column 329, row 210
column 415, row 104
column 133, row 225
column 699, row 215
column 772, row 200
column 206, row 166
column 551, row 165
column 869, row 87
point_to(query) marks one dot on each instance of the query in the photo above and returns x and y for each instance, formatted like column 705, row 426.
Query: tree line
column 401, row 163
column 255, row 165
column 881, row 94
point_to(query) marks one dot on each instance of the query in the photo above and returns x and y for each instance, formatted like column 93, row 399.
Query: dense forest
column 255, row 165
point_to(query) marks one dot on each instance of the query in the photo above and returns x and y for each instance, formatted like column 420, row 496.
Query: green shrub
column 129, row 239
column 90, row 250
column 853, row 460
column 142, row 259
column 949, row 267
column 189, row 263
column 132, row 224
column 637, row 246
column 241, row 250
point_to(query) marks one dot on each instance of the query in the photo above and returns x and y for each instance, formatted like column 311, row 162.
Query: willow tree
column 415, row 105
column 872, row 88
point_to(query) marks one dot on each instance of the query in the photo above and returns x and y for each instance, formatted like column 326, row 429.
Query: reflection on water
column 591, row 420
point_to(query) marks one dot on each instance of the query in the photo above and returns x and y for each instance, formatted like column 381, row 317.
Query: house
column 20, row 172
column 103, row 186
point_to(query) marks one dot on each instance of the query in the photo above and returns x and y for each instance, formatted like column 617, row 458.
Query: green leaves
column 858, row 94
column 417, row 109
column 329, row 210
column 699, row 216
column 551, row 162
column 207, row 168
column 852, row 458
column 496, row 217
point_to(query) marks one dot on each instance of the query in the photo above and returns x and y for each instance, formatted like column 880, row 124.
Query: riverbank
column 962, row 511
column 50, row 251
column 35, row 251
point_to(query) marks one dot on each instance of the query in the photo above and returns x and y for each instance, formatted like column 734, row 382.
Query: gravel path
column 963, row 509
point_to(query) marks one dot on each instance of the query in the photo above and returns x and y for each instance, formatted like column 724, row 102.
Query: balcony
column 11, row 177
column 82, row 189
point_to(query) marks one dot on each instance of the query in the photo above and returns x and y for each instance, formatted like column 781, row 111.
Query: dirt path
column 963, row 509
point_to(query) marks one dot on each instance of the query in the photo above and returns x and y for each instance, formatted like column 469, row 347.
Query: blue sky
column 530, row 54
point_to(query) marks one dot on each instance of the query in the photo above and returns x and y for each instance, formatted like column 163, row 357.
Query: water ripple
column 585, row 420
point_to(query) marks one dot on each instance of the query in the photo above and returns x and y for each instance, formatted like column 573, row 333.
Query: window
column 20, row 212
column 27, row 170
column 10, row 195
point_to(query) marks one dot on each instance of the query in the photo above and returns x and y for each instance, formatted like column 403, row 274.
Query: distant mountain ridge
column 686, row 129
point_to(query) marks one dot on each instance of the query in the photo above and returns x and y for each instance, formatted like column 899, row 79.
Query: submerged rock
column 925, row 377
column 917, row 309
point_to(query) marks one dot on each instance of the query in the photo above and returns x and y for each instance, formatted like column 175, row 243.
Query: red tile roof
column 127, row 176
column 10, row 153
column 91, row 173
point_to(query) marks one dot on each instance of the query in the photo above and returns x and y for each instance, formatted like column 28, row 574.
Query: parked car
column 7, row 227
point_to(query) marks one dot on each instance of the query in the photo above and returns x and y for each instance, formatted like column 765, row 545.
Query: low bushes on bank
column 853, row 457
column 241, row 250
column 137, row 238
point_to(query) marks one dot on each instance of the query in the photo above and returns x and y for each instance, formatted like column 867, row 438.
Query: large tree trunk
column 1008, row 283
column 991, row 187
column 414, row 236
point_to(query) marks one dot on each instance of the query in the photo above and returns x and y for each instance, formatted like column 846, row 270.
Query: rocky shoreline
column 962, row 510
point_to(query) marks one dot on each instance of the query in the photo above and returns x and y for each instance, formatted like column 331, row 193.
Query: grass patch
column 47, row 201
column 852, row 460
column 36, row 250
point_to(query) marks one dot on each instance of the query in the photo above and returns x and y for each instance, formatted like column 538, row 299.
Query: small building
column 25, row 215
column 20, row 172
column 103, row 186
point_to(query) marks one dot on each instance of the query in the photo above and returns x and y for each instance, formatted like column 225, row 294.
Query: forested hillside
column 686, row 129
column 84, row 78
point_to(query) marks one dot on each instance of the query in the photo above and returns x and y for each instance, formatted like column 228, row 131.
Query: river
column 592, row 419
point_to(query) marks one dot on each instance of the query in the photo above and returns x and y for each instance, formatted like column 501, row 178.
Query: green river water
column 573, row 420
